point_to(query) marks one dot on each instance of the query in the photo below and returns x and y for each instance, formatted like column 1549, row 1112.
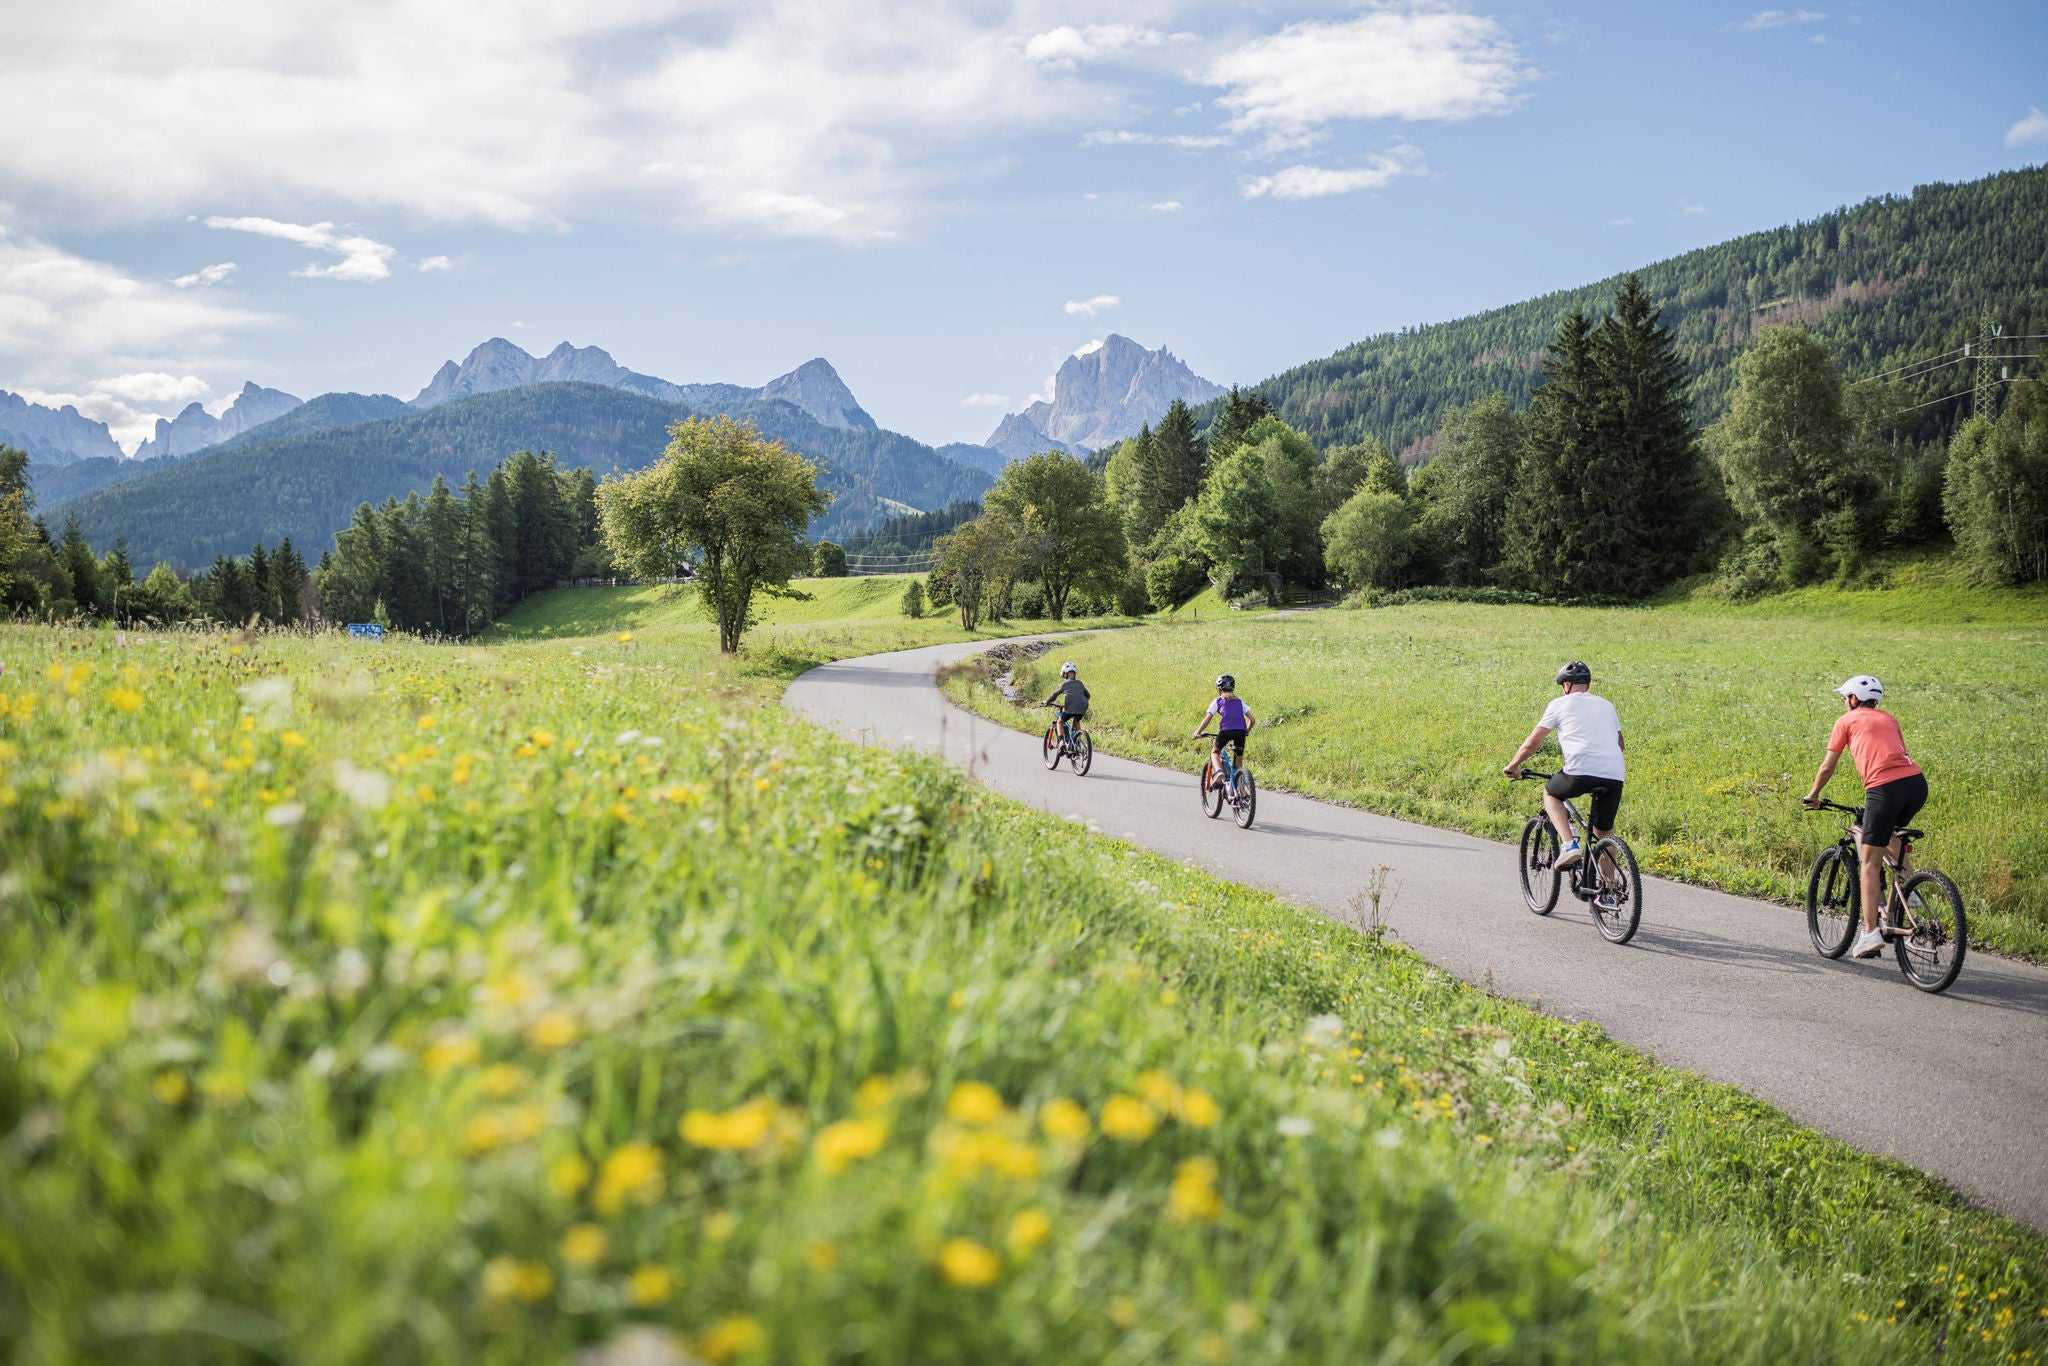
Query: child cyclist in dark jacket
column 1071, row 698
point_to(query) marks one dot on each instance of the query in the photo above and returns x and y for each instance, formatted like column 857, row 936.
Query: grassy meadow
column 1412, row 710
column 435, row 1003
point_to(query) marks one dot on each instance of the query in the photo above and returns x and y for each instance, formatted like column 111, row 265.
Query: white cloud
column 986, row 401
column 1693, row 210
column 2031, row 129
column 1165, row 206
column 1067, row 47
column 1313, row 182
column 1125, row 137
column 206, row 275
column 362, row 260
column 1777, row 18
column 1088, row 308
column 434, row 263
column 155, row 386
column 1818, row 38
column 1087, row 349
column 1393, row 63
column 129, row 404
column 1091, row 196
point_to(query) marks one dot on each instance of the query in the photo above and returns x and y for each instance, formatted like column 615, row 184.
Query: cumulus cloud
column 155, row 386
column 1777, row 18
column 986, row 401
column 1407, row 64
column 1067, row 47
column 362, row 259
column 1088, row 308
column 1126, row 137
column 1085, row 349
column 434, row 263
column 130, row 405
column 1314, row 182
column 206, row 275
column 1164, row 206
column 2029, row 130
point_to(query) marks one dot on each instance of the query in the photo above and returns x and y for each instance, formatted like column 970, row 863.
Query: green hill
column 307, row 485
column 1891, row 284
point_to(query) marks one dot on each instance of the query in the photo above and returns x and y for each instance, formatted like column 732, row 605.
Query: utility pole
column 1986, row 396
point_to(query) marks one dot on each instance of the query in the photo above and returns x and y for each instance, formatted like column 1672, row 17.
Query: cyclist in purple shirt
column 1234, row 720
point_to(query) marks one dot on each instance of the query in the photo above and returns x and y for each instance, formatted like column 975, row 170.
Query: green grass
column 1413, row 710
column 478, row 1003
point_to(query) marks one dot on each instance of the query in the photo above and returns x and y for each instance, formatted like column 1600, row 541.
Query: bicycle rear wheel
column 1246, row 803
column 1539, row 866
column 1834, row 896
column 1212, row 791
column 1618, row 904
column 1933, row 954
column 1084, row 753
column 1052, row 747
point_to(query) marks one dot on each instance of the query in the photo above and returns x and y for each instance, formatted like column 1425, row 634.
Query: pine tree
column 441, row 543
column 1242, row 409
column 1553, row 523
column 1173, row 471
column 476, row 569
column 78, row 561
column 288, row 577
column 262, row 587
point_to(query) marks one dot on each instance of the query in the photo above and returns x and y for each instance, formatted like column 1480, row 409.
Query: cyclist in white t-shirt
column 1589, row 732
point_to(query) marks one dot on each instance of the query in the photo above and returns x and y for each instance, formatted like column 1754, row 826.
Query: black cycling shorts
column 1606, row 801
column 1233, row 738
column 1890, row 805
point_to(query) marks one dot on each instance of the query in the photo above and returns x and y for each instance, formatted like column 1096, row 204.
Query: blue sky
column 943, row 198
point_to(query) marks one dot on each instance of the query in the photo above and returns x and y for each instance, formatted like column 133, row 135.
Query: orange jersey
column 1873, row 740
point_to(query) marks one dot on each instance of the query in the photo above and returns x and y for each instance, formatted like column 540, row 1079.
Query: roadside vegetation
column 486, row 1002
column 1412, row 710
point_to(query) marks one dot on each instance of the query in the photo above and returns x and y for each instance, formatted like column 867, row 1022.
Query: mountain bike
column 1233, row 782
column 1605, row 877
column 1074, row 745
column 1923, row 910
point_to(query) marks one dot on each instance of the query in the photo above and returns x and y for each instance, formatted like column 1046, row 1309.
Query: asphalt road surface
column 1955, row 1084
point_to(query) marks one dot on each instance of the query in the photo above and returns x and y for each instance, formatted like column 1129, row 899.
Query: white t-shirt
column 1589, row 733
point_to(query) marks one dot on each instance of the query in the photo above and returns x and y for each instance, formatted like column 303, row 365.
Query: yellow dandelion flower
column 763, row 784
column 737, row 1129
column 291, row 739
column 874, row 1093
column 957, row 999
column 821, row 1256
column 839, row 1145
column 720, row 1225
column 124, row 699
column 649, row 1286
column 542, row 739
column 585, row 1245
column 1123, row 1311
column 1064, row 1121
column 1160, row 1091
column 568, row 1175
column 630, row 1172
column 508, row 1278
column 501, row 1080
column 1030, row 1228
column 975, row 1102
column 1128, row 1119
column 170, row 1087
column 1198, row 1109
column 625, row 637
column 449, row 1052
column 729, row 1339
column 1193, row 1197
column 555, row 1029
column 424, row 723
column 962, row 1261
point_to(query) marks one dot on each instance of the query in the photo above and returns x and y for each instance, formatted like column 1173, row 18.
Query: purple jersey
column 1228, row 711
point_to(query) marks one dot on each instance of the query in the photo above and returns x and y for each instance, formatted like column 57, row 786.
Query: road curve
column 1957, row 1085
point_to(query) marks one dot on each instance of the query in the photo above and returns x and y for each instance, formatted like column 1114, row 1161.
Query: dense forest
column 307, row 486
column 1897, row 283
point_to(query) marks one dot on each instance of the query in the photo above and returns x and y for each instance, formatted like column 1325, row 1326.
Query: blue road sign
column 366, row 630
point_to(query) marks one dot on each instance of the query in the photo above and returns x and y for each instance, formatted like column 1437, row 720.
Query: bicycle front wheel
column 1246, row 804
column 1932, row 954
column 1539, row 866
column 1834, row 896
column 1084, row 753
column 1212, row 791
column 1052, row 747
column 1618, row 904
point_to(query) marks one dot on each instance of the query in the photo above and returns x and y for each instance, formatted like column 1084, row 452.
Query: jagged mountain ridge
column 306, row 485
column 53, row 436
column 497, row 364
column 1102, row 394
column 195, row 429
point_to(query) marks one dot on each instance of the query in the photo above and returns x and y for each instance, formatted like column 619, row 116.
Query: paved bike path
column 1728, row 987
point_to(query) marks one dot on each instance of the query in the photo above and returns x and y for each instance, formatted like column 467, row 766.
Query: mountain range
column 1102, row 394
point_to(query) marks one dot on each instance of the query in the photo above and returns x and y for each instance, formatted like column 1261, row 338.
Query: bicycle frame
column 1900, row 868
column 1582, row 830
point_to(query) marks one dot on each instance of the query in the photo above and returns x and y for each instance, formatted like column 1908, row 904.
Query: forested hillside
column 1894, row 283
column 307, row 486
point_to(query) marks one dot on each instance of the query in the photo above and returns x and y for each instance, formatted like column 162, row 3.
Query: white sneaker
column 1572, row 854
column 1869, row 944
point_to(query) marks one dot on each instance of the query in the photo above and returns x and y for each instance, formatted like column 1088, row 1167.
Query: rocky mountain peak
column 1103, row 393
column 195, row 429
column 816, row 388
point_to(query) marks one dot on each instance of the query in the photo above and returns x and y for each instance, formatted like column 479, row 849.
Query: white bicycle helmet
column 1863, row 688
column 1068, row 671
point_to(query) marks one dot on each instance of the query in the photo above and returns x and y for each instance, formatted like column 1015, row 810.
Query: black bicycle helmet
column 1226, row 682
column 1575, row 672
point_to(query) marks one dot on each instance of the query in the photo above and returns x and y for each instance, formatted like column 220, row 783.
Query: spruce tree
column 441, row 543
column 79, row 562
column 262, row 587
column 1173, row 472
column 288, row 577
column 1242, row 409
column 1553, row 523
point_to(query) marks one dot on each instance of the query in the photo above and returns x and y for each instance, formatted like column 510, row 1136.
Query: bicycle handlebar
column 1528, row 772
column 1825, row 805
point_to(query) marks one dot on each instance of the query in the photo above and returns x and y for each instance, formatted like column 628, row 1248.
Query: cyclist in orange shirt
column 1894, row 790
